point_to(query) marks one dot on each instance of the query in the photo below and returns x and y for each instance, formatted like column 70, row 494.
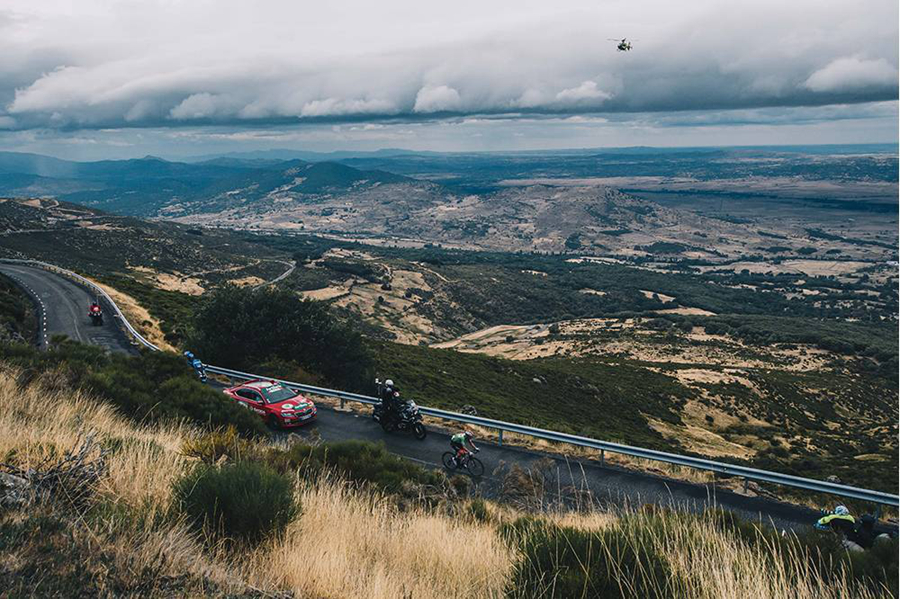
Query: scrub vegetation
column 134, row 532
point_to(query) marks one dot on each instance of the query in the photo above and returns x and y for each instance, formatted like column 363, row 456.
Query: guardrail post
column 603, row 457
column 746, row 484
column 342, row 403
column 500, row 442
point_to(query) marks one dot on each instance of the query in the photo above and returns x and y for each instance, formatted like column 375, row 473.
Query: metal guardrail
column 602, row 446
column 501, row 426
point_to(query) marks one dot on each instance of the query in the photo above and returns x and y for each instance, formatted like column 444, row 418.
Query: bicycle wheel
column 474, row 466
column 449, row 460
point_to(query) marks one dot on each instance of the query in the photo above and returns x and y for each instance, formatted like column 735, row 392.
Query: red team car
column 279, row 406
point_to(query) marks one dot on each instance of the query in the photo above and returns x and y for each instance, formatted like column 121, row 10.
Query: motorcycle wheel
column 387, row 425
column 474, row 466
column 449, row 460
column 419, row 431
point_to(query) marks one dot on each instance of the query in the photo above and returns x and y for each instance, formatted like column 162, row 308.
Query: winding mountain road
column 62, row 306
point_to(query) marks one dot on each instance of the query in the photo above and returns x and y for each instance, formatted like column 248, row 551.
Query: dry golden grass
column 350, row 543
column 140, row 317
column 41, row 421
column 704, row 562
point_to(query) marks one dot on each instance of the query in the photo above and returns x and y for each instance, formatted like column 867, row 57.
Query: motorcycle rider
column 197, row 365
column 458, row 443
column 390, row 397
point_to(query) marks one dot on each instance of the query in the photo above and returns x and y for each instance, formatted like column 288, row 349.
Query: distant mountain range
column 859, row 177
column 147, row 186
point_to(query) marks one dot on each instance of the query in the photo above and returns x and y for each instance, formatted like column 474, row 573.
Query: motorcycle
column 96, row 315
column 407, row 419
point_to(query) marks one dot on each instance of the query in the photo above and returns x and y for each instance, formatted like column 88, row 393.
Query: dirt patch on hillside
column 661, row 296
column 326, row 293
column 799, row 266
column 249, row 281
column 684, row 310
column 701, row 440
column 393, row 309
column 172, row 281
column 86, row 224
column 139, row 317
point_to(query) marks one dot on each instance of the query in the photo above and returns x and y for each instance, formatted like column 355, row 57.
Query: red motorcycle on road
column 95, row 312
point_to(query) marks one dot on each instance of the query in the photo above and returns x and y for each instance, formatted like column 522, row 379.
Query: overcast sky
column 107, row 78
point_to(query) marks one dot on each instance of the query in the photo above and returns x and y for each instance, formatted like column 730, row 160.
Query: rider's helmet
column 188, row 355
column 841, row 511
column 468, row 435
column 389, row 383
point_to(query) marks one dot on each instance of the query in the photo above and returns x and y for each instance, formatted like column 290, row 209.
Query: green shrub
column 359, row 461
column 478, row 510
column 273, row 324
column 559, row 561
column 223, row 442
column 244, row 500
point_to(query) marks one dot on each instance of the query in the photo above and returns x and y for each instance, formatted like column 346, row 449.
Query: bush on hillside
column 563, row 561
column 244, row 500
column 359, row 461
column 240, row 327
column 221, row 443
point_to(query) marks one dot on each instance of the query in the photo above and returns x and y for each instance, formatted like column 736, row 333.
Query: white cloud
column 586, row 93
column 339, row 107
column 199, row 106
column 851, row 73
column 437, row 99
column 168, row 63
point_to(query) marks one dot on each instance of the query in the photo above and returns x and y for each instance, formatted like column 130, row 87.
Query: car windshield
column 276, row 393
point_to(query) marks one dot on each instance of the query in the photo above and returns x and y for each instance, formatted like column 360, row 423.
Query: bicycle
column 467, row 461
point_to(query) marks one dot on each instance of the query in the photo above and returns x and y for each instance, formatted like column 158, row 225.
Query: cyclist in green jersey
column 458, row 443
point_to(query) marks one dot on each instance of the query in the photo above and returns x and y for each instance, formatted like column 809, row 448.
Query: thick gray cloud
column 166, row 63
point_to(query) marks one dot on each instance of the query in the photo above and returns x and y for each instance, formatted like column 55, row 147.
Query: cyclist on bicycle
column 458, row 443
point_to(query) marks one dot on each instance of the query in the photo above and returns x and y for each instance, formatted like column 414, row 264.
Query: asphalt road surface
column 62, row 307
column 608, row 485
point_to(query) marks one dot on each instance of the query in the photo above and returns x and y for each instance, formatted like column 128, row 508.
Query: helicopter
column 623, row 46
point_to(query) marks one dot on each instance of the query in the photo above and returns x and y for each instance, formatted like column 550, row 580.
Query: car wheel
column 272, row 422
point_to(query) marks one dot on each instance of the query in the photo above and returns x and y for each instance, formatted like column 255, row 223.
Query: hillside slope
column 125, row 532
